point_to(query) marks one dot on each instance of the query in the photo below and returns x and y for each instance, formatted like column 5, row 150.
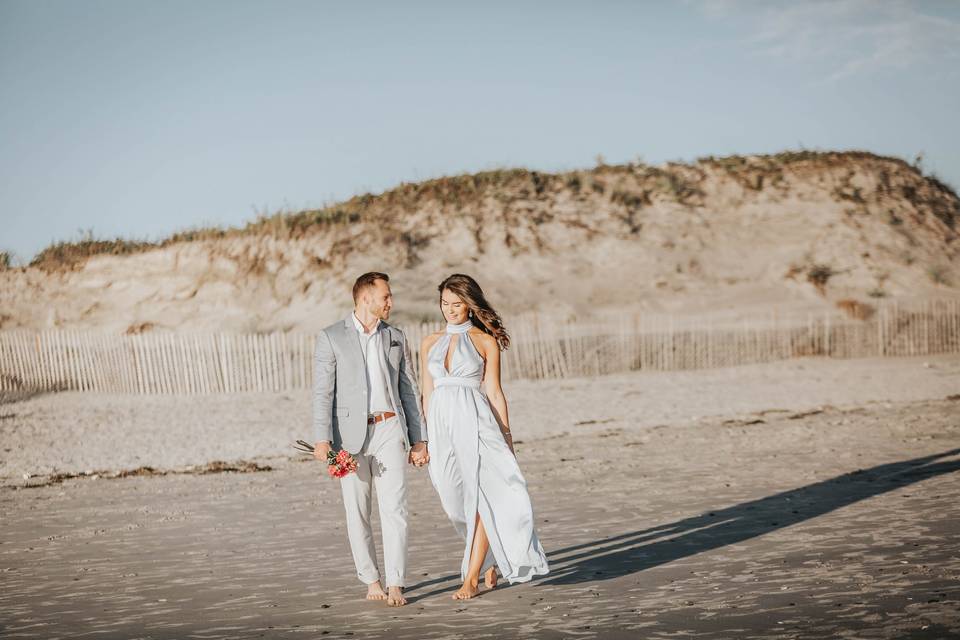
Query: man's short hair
column 365, row 281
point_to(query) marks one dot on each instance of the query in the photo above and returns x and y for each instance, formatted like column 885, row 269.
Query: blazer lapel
column 353, row 338
column 385, row 339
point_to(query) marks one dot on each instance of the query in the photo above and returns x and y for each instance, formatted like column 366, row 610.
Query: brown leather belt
column 380, row 417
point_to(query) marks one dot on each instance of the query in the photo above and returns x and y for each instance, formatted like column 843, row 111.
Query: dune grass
column 629, row 186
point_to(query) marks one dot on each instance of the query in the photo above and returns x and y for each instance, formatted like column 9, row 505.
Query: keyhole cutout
column 448, row 358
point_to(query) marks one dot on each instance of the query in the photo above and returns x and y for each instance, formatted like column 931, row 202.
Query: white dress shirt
column 371, row 344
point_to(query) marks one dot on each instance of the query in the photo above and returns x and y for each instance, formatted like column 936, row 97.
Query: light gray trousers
column 381, row 465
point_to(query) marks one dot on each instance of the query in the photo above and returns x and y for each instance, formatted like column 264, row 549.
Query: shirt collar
column 359, row 325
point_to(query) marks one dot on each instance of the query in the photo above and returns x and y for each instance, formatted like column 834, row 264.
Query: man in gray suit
column 365, row 400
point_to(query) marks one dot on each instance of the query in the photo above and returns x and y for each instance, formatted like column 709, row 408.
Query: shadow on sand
column 628, row 553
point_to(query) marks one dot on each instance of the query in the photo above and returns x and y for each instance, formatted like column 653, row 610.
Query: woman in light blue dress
column 472, row 463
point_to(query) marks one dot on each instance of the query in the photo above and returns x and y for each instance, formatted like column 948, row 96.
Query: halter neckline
column 463, row 327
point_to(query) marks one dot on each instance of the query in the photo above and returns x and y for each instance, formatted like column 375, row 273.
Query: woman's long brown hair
column 486, row 319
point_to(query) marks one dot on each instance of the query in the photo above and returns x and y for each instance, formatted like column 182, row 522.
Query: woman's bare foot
column 375, row 591
column 395, row 597
column 490, row 578
column 469, row 589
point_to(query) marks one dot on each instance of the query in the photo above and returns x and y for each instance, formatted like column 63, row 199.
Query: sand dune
column 793, row 231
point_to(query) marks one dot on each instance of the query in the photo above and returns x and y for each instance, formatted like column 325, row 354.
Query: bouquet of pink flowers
column 339, row 463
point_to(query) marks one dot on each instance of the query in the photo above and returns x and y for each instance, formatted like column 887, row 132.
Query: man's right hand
column 320, row 450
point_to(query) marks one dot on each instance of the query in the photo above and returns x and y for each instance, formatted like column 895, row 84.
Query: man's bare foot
column 490, row 578
column 469, row 589
column 375, row 591
column 395, row 597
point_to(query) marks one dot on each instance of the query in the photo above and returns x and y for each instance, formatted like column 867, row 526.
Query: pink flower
column 340, row 464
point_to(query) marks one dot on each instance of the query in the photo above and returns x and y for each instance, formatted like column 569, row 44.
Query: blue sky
column 137, row 118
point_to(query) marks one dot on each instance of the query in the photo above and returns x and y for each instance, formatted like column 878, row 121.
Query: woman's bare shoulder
column 483, row 339
column 429, row 340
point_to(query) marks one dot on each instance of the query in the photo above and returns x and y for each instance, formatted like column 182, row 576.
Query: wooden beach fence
column 541, row 347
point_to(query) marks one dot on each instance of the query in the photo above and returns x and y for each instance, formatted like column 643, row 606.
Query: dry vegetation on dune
column 764, row 229
column 627, row 187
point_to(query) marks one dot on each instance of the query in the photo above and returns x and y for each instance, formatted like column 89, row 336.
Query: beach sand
column 76, row 432
column 807, row 499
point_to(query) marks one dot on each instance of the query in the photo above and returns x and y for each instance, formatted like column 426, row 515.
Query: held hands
column 419, row 455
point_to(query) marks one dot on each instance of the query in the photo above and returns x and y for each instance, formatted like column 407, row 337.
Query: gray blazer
column 340, row 386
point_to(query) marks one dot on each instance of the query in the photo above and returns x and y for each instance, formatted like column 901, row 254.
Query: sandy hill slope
column 789, row 231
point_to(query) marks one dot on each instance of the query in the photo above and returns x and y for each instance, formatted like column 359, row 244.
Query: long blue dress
column 471, row 466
